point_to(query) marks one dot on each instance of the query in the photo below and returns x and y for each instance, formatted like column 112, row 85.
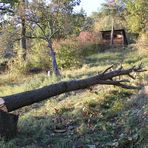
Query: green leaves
column 136, row 12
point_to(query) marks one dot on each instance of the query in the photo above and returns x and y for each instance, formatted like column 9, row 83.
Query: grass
column 106, row 117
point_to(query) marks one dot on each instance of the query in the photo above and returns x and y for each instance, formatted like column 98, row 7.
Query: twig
column 107, row 69
column 107, row 77
column 118, row 83
column 131, row 76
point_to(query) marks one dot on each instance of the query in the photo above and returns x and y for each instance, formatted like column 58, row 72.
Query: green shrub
column 17, row 66
column 89, row 48
column 68, row 55
column 38, row 57
column 71, row 53
column 142, row 42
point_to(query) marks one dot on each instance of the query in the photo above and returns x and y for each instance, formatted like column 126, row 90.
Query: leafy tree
column 110, row 16
column 8, row 37
column 7, row 31
column 110, row 9
column 45, row 21
column 65, row 20
column 137, row 15
column 6, row 6
column 88, row 24
column 22, row 14
column 15, row 9
column 51, row 21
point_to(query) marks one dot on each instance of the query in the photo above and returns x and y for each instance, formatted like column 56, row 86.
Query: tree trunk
column 54, row 61
column 8, row 124
column 23, row 41
column 19, row 100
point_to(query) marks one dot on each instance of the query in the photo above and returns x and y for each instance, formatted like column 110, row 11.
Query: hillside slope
column 101, row 117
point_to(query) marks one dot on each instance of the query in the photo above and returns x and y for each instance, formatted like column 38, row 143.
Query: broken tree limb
column 19, row 100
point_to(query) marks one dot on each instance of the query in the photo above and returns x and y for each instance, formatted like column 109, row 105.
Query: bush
column 68, row 54
column 142, row 42
column 89, row 48
column 38, row 57
column 71, row 53
column 17, row 66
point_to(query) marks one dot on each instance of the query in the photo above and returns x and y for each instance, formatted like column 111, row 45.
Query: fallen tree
column 107, row 77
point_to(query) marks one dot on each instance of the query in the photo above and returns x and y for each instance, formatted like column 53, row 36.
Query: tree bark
column 23, row 41
column 8, row 124
column 19, row 100
column 54, row 61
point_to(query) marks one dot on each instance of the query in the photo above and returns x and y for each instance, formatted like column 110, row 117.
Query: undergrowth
column 104, row 117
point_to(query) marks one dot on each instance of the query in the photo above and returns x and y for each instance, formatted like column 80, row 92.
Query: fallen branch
column 19, row 100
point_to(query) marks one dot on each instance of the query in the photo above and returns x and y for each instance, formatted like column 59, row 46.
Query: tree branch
column 41, row 28
column 119, row 83
column 35, row 37
column 109, row 68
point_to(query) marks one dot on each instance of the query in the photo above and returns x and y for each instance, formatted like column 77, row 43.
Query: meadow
column 102, row 117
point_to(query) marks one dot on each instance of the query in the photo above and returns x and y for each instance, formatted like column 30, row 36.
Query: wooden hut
column 119, row 37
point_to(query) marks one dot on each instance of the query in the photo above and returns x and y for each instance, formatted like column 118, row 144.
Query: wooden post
column 112, row 33
column 122, row 39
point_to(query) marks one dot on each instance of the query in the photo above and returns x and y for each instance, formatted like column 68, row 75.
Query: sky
column 90, row 5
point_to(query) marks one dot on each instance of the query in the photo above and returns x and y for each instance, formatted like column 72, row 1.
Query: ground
column 101, row 117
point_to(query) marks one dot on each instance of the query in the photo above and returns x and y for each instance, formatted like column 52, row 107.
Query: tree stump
column 8, row 124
